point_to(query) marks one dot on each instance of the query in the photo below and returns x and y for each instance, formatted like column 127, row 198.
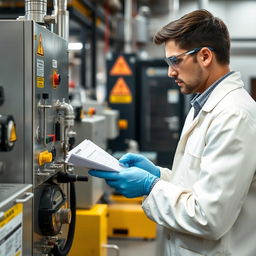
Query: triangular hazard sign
column 120, row 88
column 120, row 92
column 40, row 49
column 120, row 67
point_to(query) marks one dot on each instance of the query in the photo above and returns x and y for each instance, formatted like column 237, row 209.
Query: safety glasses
column 174, row 61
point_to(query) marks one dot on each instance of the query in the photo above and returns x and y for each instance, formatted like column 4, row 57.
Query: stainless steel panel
column 12, row 80
column 9, row 193
column 18, row 76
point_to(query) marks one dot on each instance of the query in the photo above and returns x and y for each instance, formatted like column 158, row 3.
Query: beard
column 193, row 84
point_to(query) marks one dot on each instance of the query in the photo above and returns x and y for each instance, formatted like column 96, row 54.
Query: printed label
column 11, row 232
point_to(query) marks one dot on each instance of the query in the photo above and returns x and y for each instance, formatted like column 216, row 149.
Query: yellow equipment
column 91, row 232
column 129, row 220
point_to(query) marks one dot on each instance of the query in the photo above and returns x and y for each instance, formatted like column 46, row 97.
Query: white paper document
column 88, row 154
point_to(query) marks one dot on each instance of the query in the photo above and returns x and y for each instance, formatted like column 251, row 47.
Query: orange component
column 123, row 124
column 44, row 157
column 55, row 79
column 91, row 111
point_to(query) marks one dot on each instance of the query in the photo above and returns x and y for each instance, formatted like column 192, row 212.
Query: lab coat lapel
column 189, row 126
column 230, row 83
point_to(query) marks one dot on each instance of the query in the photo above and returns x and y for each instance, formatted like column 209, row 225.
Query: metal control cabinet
column 34, row 77
column 15, row 219
column 27, row 79
column 159, row 110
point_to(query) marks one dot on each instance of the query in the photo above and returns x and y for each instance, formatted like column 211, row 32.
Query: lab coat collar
column 232, row 82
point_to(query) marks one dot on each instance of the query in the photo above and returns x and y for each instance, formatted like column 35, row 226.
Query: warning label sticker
column 11, row 232
column 120, row 67
column 40, row 73
column 120, row 92
column 40, row 48
column 40, row 82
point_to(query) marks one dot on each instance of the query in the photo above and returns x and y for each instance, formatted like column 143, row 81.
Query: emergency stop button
column 55, row 79
column 44, row 157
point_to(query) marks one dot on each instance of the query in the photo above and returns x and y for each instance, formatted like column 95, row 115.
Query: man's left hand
column 130, row 182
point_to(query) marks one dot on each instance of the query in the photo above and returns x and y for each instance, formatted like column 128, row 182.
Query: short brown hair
column 197, row 29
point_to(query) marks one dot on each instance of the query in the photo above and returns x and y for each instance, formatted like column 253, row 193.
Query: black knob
column 45, row 96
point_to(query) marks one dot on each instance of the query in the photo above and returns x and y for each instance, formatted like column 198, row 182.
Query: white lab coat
column 207, row 203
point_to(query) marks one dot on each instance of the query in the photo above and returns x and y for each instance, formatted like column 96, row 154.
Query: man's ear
column 206, row 56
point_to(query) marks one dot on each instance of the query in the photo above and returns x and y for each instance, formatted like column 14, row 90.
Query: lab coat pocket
column 188, row 252
column 193, row 161
column 191, row 169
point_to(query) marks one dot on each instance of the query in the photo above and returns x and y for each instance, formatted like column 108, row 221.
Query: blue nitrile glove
column 130, row 182
column 139, row 161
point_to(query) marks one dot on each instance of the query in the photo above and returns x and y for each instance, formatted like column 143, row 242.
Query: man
column 207, row 203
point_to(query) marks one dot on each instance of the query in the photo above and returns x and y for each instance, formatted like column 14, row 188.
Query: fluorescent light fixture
column 75, row 46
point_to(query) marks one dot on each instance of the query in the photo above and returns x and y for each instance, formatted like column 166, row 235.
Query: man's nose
column 172, row 72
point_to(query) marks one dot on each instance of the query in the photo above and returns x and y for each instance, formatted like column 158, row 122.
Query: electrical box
column 159, row 110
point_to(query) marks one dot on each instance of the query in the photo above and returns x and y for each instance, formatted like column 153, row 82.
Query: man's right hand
column 130, row 160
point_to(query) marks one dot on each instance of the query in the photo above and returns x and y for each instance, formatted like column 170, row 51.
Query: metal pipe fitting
column 35, row 10
column 60, row 11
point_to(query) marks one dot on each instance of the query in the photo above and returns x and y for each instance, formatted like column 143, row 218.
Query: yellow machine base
column 129, row 220
column 91, row 232
column 119, row 199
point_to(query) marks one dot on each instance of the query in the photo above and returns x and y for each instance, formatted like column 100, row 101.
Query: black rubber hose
column 57, row 250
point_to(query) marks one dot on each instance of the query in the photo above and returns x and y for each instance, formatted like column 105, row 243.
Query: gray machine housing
column 30, row 54
column 19, row 233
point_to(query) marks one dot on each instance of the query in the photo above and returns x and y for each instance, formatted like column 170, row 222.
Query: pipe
column 203, row 4
column 62, row 14
column 68, row 112
column 35, row 10
column 68, row 123
column 128, row 27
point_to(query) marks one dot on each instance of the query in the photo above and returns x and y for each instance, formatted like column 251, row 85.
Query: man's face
column 186, row 69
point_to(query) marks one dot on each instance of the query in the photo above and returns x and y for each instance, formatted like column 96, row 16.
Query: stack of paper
column 88, row 154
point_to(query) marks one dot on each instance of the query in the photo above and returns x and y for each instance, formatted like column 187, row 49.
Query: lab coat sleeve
column 165, row 174
column 211, row 206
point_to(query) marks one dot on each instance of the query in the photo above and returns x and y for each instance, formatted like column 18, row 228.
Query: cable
column 58, row 250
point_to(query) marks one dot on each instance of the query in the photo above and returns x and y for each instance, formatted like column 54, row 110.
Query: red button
column 56, row 79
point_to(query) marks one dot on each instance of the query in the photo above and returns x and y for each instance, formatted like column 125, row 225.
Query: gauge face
column 8, row 134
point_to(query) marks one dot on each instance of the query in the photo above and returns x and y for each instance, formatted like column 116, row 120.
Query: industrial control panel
column 36, row 127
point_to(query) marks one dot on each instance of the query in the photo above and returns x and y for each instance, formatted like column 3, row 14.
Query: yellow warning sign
column 40, row 49
column 10, row 214
column 120, row 92
column 40, row 82
column 120, row 67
